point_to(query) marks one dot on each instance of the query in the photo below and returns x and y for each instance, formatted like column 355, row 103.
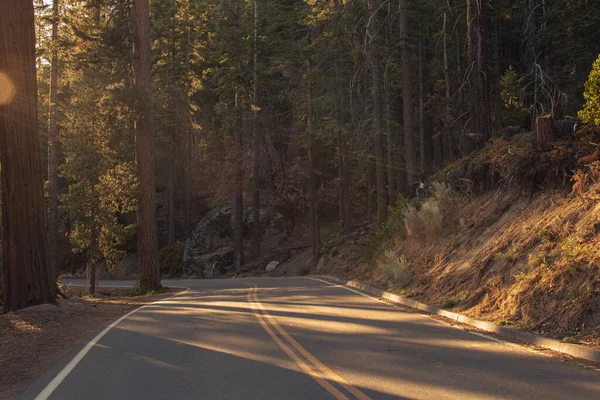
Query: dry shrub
column 396, row 267
column 428, row 220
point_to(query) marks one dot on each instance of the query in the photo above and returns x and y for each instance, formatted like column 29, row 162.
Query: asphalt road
column 297, row 338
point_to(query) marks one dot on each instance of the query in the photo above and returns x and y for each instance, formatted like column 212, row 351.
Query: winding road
column 300, row 338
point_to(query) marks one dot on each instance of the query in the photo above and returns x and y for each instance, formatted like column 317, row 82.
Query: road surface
column 299, row 338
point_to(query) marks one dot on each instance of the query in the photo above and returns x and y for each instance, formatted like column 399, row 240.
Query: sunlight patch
column 7, row 89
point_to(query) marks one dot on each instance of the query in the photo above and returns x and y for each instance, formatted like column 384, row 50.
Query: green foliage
column 591, row 109
column 389, row 229
column 171, row 259
column 513, row 98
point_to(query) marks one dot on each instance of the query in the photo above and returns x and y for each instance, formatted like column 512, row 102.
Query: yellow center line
column 305, row 367
column 325, row 371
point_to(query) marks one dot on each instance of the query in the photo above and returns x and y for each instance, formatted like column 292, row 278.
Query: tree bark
column 257, row 234
column 53, row 151
column 188, row 142
column 171, row 197
column 477, row 24
column 238, row 230
column 173, row 135
column 426, row 147
column 407, row 105
column 26, row 267
column 545, row 131
column 392, row 191
column 340, row 165
column 312, row 211
column 146, row 213
column 377, row 119
column 91, row 262
column 369, row 183
column 447, row 133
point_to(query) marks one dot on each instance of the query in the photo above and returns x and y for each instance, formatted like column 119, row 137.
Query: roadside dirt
column 33, row 339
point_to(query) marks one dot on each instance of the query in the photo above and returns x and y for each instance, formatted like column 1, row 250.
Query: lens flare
column 7, row 90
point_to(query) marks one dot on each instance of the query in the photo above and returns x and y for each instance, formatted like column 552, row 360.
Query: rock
column 271, row 266
column 215, row 232
column 220, row 260
column 263, row 261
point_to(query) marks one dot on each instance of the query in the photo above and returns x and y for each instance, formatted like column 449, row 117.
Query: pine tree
column 27, row 271
column 146, row 213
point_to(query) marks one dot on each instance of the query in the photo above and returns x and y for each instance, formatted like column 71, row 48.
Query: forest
column 125, row 123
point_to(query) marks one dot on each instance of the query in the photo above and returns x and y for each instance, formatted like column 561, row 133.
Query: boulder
column 219, row 261
column 214, row 233
column 271, row 266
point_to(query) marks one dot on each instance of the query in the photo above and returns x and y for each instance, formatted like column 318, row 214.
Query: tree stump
column 545, row 131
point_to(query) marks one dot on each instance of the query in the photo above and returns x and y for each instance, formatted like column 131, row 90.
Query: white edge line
column 482, row 335
column 58, row 379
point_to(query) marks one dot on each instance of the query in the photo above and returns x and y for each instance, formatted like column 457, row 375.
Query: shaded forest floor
column 35, row 338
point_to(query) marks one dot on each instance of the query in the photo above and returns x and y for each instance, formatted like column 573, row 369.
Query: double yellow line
column 305, row 360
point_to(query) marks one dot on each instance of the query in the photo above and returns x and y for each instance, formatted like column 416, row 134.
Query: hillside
column 521, row 249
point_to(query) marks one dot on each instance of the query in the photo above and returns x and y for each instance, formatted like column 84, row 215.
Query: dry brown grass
column 531, row 263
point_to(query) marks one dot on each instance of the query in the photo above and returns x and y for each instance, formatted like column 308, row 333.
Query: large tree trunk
column 27, row 272
column 378, row 132
column 477, row 20
column 407, row 100
column 146, row 213
column 53, row 151
column 257, row 234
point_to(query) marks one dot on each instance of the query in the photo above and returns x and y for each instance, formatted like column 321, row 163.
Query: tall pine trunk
column 477, row 35
column 407, row 100
column 426, row 145
column 257, row 234
column 146, row 213
column 390, row 145
column 312, row 208
column 187, row 150
column 53, row 150
column 447, row 132
column 238, row 230
column 27, row 271
column 377, row 118
column 173, row 136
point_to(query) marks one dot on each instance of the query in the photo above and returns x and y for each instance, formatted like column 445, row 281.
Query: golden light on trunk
column 7, row 89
